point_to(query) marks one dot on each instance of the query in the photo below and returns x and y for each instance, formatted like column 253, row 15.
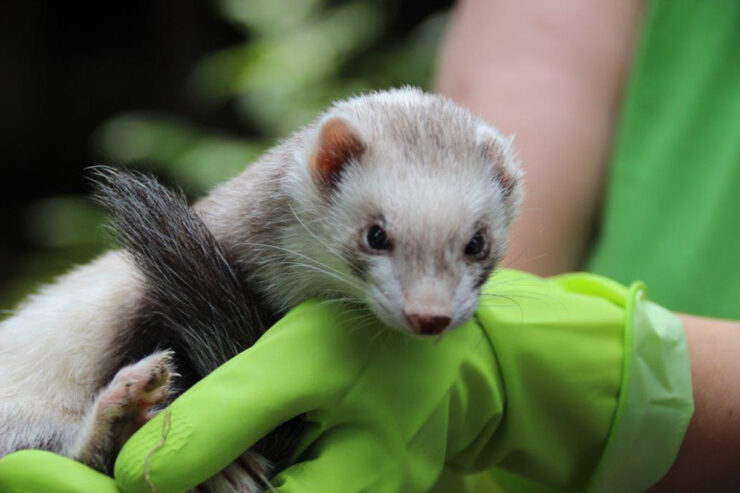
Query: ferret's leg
column 121, row 408
column 55, row 349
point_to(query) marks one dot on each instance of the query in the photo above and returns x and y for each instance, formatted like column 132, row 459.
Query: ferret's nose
column 424, row 324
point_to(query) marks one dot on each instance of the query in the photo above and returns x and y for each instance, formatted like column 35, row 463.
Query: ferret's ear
column 498, row 151
column 337, row 144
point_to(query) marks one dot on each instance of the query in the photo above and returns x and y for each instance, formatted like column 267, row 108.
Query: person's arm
column 552, row 73
column 710, row 453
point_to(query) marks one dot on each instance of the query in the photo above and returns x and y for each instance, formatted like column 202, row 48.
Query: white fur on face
column 430, row 168
column 429, row 217
column 429, row 182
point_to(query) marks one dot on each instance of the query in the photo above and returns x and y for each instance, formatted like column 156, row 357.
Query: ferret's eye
column 477, row 247
column 377, row 239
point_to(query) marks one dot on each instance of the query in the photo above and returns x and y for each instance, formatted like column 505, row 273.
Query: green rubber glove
column 40, row 471
column 558, row 381
column 555, row 380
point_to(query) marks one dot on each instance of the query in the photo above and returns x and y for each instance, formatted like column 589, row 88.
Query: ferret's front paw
column 122, row 407
column 137, row 389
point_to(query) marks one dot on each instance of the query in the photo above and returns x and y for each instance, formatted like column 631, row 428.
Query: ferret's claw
column 137, row 388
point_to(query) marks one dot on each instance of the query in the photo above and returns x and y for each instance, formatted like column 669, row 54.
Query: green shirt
column 673, row 200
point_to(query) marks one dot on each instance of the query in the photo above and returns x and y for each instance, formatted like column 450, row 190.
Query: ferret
column 399, row 201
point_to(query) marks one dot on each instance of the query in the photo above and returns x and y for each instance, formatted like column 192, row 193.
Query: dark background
column 67, row 67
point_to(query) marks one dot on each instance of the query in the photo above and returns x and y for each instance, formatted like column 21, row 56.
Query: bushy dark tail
column 197, row 301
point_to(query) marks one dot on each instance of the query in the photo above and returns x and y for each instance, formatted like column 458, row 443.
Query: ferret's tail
column 196, row 302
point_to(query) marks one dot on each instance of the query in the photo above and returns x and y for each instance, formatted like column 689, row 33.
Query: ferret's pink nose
column 428, row 324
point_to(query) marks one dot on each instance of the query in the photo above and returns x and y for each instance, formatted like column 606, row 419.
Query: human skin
column 710, row 453
column 552, row 73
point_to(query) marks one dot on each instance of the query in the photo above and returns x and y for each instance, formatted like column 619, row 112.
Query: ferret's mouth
column 416, row 323
column 399, row 323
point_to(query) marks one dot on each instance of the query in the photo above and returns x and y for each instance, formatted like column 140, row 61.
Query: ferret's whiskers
column 301, row 255
column 319, row 266
column 379, row 333
column 510, row 261
column 354, row 323
column 508, row 298
column 346, row 300
column 314, row 235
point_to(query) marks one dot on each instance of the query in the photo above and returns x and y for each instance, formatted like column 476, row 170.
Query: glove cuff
column 655, row 402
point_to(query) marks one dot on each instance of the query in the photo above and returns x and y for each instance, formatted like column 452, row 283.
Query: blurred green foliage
column 296, row 58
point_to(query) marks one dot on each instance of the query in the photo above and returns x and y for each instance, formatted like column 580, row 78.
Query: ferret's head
column 415, row 196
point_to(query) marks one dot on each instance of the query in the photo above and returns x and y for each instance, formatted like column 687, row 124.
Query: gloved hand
column 29, row 471
column 556, row 380
column 537, row 385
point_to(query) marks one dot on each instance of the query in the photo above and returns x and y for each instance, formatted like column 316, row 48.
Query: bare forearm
column 710, row 453
column 551, row 72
